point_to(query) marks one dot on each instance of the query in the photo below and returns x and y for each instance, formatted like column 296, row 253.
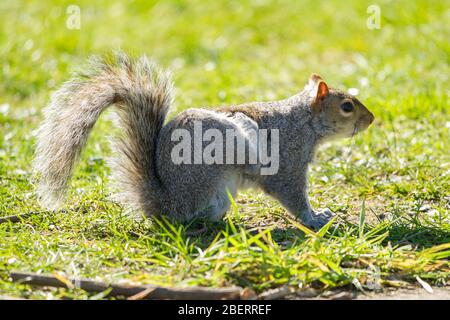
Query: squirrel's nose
column 367, row 119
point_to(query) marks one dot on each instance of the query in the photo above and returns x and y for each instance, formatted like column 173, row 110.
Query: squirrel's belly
column 244, row 182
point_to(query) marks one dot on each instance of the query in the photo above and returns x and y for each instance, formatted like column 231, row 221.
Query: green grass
column 223, row 53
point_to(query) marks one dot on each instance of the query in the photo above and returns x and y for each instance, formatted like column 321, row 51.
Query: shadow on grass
column 400, row 231
column 420, row 236
column 202, row 232
column 403, row 230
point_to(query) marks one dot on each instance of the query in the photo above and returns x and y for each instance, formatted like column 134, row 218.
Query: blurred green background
column 231, row 51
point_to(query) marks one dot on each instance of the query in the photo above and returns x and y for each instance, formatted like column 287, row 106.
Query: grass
column 389, row 186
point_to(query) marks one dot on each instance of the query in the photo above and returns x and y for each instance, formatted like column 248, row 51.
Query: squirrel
column 149, row 179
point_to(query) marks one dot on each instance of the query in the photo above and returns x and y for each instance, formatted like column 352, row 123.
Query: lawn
column 390, row 186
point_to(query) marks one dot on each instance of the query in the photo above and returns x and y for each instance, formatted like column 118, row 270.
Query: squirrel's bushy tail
column 142, row 94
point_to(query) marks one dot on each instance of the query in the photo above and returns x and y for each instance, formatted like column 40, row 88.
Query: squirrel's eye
column 347, row 107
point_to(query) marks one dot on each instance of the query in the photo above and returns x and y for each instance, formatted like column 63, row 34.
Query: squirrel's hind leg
column 221, row 201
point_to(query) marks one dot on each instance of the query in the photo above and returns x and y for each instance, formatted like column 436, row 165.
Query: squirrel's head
column 338, row 113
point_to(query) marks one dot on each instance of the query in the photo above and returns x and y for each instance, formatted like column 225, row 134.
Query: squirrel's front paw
column 317, row 220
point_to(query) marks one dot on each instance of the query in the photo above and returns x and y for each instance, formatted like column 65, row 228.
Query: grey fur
column 149, row 180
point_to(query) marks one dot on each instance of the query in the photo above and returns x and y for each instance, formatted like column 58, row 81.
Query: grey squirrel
column 143, row 165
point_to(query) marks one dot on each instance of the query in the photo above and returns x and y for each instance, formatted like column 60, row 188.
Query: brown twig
column 136, row 291
column 17, row 218
column 278, row 293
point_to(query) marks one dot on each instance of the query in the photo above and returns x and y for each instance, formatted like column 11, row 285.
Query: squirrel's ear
column 314, row 78
column 322, row 90
column 313, row 85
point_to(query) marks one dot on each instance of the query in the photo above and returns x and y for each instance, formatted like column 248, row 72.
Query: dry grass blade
column 141, row 295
